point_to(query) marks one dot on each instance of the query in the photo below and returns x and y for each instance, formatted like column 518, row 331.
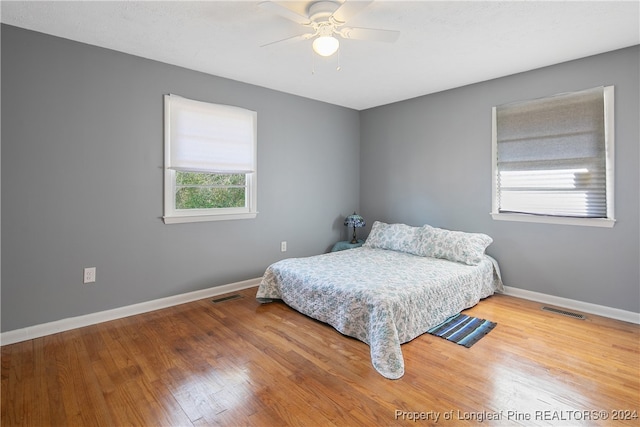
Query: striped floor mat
column 462, row 329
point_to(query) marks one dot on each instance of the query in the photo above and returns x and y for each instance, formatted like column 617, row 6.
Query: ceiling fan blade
column 388, row 36
column 292, row 39
column 349, row 9
column 284, row 12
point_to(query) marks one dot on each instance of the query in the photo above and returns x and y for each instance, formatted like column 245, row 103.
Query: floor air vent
column 564, row 312
column 223, row 299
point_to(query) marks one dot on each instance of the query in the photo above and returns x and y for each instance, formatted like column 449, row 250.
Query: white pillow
column 394, row 237
column 458, row 246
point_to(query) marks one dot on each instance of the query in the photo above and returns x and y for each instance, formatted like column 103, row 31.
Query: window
column 210, row 161
column 553, row 159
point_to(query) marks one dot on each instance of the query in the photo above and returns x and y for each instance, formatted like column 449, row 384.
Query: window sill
column 203, row 218
column 587, row 222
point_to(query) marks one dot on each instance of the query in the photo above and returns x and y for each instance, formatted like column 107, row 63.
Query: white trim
column 202, row 218
column 37, row 331
column 544, row 219
column 586, row 307
column 609, row 141
column 494, row 160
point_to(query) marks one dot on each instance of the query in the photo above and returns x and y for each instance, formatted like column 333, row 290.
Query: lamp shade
column 326, row 45
column 354, row 220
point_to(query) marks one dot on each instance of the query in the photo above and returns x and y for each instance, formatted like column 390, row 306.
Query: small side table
column 346, row 244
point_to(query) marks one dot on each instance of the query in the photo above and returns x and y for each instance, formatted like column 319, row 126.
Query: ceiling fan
column 325, row 22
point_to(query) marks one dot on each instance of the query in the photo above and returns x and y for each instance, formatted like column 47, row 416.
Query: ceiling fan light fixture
column 326, row 45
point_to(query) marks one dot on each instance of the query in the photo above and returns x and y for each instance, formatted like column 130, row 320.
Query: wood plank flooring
column 240, row 363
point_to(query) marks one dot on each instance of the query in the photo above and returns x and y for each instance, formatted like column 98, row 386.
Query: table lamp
column 355, row 221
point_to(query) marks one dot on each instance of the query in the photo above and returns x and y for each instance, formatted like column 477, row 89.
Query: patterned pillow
column 458, row 246
column 395, row 237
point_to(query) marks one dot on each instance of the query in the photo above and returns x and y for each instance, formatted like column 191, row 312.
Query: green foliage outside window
column 210, row 190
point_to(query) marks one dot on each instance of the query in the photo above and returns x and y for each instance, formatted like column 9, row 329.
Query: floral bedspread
column 384, row 298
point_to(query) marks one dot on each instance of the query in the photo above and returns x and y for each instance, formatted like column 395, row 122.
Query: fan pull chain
column 313, row 62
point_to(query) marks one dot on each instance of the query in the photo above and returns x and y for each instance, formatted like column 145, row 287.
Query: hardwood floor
column 242, row 363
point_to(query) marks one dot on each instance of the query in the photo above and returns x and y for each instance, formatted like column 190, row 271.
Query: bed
column 401, row 282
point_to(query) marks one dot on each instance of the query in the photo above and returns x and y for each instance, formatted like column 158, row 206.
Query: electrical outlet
column 89, row 275
column 283, row 246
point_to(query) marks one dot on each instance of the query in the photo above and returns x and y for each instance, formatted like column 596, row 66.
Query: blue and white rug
column 462, row 329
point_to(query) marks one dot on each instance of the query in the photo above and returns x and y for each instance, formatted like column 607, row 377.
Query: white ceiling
column 443, row 44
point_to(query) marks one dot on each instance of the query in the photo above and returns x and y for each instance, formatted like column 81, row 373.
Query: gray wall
column 428, row 161
column 82, row 152
column 82, row 181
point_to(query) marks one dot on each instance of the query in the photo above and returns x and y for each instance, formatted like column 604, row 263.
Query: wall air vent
column 227, row 298
column 564, row 312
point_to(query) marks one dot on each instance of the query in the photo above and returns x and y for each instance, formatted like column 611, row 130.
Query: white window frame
column 609, row 221
column 175, row 216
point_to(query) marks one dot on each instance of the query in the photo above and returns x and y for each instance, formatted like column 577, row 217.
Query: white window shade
column 210, row 138
column 552, row 155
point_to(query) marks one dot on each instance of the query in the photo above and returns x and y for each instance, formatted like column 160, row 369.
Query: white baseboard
column 585, row 307
column 37, row 331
